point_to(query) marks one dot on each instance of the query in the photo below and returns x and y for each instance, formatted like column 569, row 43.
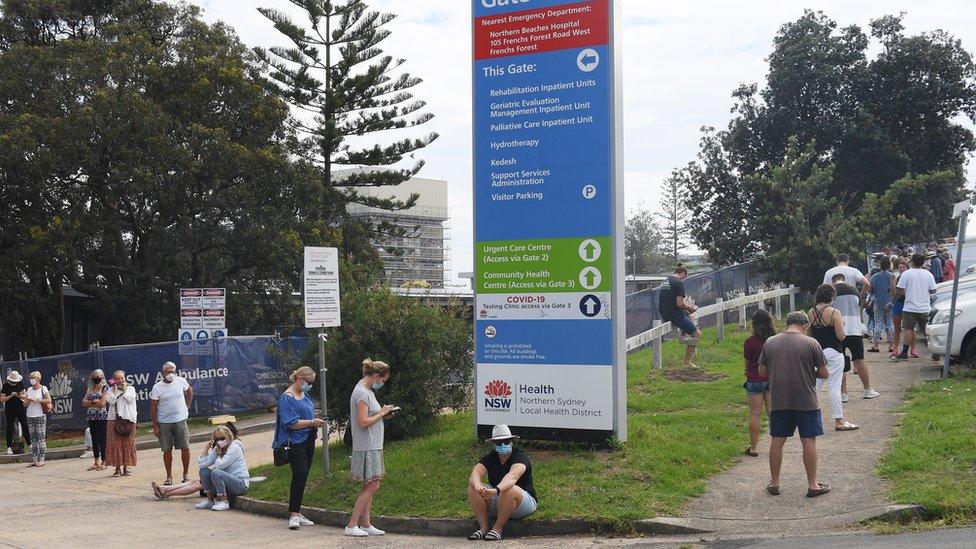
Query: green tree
column 674, row 214
column 337, row 73
column 643, row 243
column 141, row 152
column 873, row 118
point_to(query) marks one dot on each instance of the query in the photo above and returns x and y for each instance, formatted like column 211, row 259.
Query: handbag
column 123, row 427
column 46, row 407
column 280, row 453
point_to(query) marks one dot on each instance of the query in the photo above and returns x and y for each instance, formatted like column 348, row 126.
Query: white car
column 963, row 333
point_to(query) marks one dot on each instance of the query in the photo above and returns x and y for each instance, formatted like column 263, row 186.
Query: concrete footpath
column 737, row 503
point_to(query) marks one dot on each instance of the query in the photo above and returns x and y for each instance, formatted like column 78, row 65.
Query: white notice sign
column 322, row 287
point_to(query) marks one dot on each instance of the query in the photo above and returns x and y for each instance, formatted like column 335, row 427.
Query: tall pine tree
column 337, row 75
column 674, row 214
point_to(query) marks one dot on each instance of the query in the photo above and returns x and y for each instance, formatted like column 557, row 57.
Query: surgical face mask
column 503, row 449
column 306, row 387
column 223, row 442
column 169, row 378
column 378, row 385
column 35, row 381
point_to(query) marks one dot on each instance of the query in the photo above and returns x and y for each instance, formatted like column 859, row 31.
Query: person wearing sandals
column 366, row 421
column 827, row 327
column 95, row 403
column 121, row 450
column 223, row 470
column 793, row 362
column 509, row 494
column 296, row 429
column 169, row 404
column 756, row 386
column 37, row 400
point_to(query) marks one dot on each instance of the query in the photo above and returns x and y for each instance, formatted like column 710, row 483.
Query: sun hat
column 500, row 432
column 14, row 376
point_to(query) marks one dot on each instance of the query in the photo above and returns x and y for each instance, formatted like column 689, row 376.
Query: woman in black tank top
column 826, row 323
column 827, row 327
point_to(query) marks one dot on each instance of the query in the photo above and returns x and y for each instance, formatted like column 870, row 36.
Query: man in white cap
column 13, row 408
column 509, row 493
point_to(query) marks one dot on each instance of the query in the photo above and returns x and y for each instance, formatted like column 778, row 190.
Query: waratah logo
column 60, row 385
column 498, row 396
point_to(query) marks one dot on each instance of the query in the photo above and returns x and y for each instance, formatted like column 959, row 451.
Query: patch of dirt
column 692, row 375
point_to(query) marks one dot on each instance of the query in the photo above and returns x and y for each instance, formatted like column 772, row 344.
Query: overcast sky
column 682, row 59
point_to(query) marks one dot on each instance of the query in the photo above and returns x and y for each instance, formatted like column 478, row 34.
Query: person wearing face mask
column 95, row 404
column 194, row 486
column 509, row 493
column 366, row 422
column 169, row 404
column 37, row 399
column 296, row 430
column 14, row 411
column 223, row 471
column 121, row 451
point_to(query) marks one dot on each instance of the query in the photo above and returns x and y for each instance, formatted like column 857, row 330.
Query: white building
column 421, row 254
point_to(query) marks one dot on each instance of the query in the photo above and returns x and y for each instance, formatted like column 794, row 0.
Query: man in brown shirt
column 793, row 362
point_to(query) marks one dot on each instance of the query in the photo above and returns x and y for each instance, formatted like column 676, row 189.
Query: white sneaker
column 845, row 397
column 356, row 532
column 87, row 455
column 373, row 531
column 294, row 524
column 205, row 504
column 871, row 393
column 220, row 506
column 303, row 521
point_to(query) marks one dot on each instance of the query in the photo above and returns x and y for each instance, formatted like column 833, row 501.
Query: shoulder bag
column 123, row 427
column 280, row 453
column 46, row 406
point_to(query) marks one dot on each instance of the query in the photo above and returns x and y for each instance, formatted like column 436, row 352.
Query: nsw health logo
column 498, row 396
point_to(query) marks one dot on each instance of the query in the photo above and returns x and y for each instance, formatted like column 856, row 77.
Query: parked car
column 964, row 331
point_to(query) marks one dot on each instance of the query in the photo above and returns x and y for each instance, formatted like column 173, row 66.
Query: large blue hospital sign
column 548, row 213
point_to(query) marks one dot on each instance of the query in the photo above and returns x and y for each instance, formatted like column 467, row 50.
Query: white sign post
column 961, row 212
column 322, row 310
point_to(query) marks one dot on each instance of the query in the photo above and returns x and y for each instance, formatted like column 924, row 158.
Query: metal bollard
column 656, row 345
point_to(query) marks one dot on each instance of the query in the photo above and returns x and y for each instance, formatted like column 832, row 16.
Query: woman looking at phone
column 366, row 421
column 296, row 430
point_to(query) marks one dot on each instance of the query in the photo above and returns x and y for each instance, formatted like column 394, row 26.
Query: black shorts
column 855, row 344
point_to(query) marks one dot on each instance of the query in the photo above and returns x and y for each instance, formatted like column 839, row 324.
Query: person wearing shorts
column 169, row 408
column 672, row 308
column 916, row 285
column 793, row 362
column 509, row 493
column 848, row 302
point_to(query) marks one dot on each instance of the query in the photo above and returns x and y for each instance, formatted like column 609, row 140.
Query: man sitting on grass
column 509, row 493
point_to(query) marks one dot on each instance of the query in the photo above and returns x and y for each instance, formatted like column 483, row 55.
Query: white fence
column 654, row 336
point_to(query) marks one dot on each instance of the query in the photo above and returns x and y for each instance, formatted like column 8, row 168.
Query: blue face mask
column 306, row 387
column 378, row 385
column 503, row 449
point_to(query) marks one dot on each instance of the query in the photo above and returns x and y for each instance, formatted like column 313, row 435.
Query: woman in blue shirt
column 881, row 292
column 296, row 430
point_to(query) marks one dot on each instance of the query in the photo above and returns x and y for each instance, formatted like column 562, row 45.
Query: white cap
column 500, row 432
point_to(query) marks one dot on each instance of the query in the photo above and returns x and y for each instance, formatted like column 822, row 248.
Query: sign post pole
column 961, row 211
column 320, row 289
column 325, row 402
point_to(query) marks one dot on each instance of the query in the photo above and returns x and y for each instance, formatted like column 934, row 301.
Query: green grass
column 681, row 434
column 932, row 459
column 74, row 438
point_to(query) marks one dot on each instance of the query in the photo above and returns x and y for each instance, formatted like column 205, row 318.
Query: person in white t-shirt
column 169, row 402
column 37, row 399
column 852, row 275
column 916, row 285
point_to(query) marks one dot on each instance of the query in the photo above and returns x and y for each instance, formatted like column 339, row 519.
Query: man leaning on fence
column 169, row 403
column 673, row 309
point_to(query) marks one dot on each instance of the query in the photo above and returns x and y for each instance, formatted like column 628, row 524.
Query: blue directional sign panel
column 545, row 214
